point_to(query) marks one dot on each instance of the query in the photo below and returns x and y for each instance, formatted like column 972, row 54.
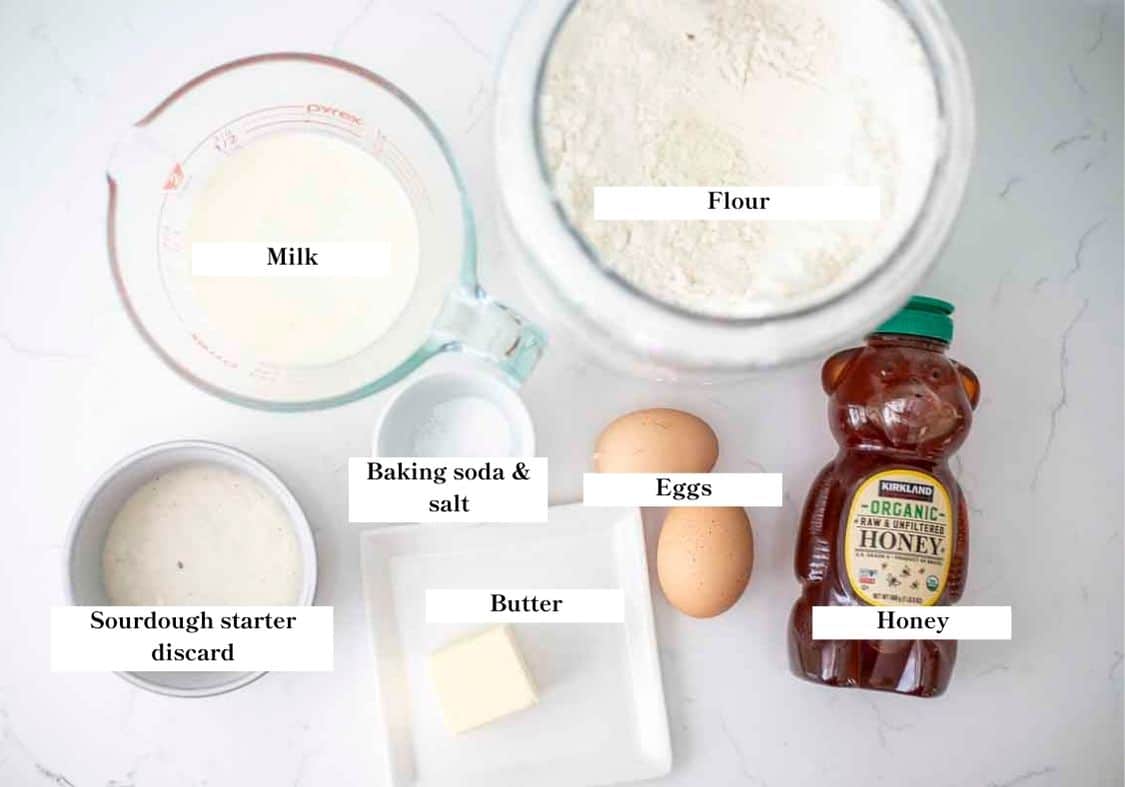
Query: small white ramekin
column 413, row 402
column 83, row 569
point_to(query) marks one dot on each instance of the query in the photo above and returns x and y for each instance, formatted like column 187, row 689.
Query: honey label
column 898, row 539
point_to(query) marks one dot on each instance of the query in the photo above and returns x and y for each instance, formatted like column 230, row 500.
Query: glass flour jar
column 632, row 330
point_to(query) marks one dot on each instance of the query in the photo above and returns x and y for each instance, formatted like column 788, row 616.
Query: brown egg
column 704, row 558
column 656, row 441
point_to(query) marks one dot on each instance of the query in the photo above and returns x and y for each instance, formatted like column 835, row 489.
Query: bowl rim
column 298, row 520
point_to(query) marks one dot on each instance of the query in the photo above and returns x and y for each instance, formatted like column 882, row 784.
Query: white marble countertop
column 1034, row 266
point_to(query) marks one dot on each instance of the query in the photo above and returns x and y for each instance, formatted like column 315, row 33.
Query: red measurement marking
column 225, row 141
column 377, row 143
column 171, row 239
column 175, row 178
column 213, row 353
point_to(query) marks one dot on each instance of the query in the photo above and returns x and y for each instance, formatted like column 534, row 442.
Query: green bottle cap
column 922, row 316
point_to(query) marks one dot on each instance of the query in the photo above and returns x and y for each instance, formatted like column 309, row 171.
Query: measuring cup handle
column 473, row 321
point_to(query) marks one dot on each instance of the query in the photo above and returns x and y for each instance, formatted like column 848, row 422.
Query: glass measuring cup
column 160, row 169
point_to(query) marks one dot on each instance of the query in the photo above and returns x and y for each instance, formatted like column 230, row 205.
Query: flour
column 739, row 93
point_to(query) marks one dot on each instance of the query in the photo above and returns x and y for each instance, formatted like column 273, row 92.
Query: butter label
column 898, row 539
column 507, row 605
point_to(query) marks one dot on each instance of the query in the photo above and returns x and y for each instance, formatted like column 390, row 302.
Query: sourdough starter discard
column 202, row 534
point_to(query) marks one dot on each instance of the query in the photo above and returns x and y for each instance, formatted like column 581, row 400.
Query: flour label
column 749, row 203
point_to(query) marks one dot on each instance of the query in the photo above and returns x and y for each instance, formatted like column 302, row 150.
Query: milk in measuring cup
column 304, row 187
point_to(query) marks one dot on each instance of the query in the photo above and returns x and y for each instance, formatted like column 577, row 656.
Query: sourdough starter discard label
column 899, row 538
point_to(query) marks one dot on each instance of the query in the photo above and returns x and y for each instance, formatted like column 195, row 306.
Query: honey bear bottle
column 885, row 522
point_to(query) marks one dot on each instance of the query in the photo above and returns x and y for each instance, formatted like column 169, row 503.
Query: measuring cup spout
column 141, row 154
column 473, row 321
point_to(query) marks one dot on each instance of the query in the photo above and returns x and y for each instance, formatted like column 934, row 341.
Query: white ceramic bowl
column 414, row 401
column 84, row 584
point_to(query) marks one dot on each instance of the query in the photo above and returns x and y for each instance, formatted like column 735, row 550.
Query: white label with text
column 911, row 622
column 446, row 489
column 682, row 489
column 191, row 639
column 323, row 260
column 769, row 203
column 525, row 606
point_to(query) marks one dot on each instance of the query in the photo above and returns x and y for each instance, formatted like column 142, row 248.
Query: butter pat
column 480, row 679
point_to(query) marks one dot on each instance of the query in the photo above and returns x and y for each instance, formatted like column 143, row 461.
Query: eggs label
column 522, row 605
column 682, row 489
column 447, row 489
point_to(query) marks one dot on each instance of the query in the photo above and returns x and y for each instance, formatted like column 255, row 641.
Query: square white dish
column 601, row 717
